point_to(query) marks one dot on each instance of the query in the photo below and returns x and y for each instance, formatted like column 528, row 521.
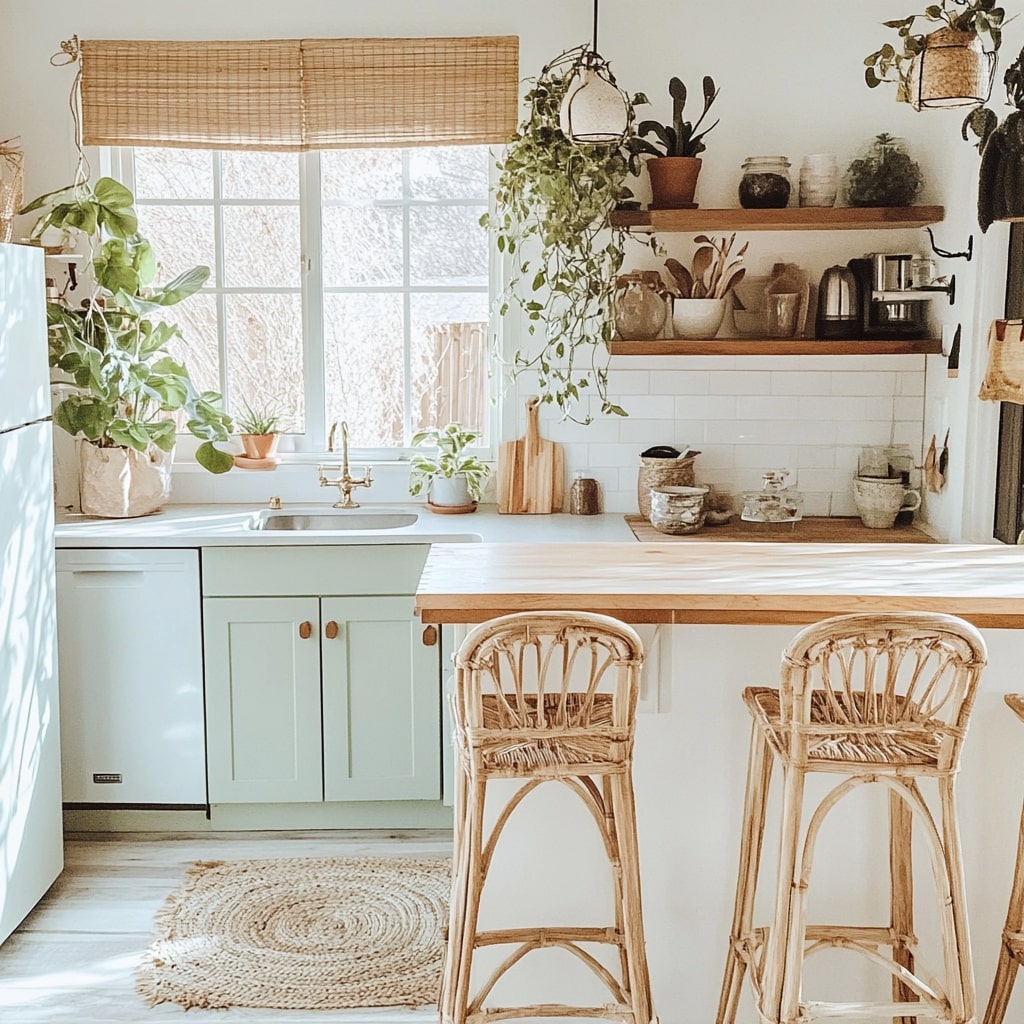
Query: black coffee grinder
column 890, row 307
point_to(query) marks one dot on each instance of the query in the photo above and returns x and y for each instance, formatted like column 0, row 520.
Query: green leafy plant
column 892, row 63
column 262, row 420
column 713, row 272
column 553, row 198
column 1001, row 175
column 450, row 459
column 680, row 138
column 114, row 345
column 885, row 176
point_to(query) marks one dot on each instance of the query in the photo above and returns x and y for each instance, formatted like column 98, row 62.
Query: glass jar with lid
column 765, row 184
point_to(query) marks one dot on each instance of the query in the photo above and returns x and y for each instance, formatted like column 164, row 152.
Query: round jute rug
column 301, row 933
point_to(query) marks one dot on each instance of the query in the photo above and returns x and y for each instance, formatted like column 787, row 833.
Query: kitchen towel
column 1004, row 377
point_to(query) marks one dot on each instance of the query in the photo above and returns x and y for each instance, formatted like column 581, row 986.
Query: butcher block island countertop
column 724, row 582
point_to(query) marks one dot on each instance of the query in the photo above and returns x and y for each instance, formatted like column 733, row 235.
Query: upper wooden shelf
column 772, row 347
column 794, row 218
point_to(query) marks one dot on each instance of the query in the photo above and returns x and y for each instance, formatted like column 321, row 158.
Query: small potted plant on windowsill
column 676, row 150
column 259, row 431
column 453, row 478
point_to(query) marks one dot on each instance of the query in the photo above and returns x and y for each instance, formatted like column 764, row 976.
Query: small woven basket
column 661, row 473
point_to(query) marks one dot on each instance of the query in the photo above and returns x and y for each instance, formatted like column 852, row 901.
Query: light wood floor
column 73, row 958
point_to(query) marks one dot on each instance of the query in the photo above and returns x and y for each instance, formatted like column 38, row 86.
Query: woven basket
column 11, row 170
column 661, row 473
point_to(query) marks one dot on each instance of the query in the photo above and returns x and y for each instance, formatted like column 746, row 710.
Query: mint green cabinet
column 314, row 695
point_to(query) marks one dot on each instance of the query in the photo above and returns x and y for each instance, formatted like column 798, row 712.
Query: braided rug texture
column 301, row 933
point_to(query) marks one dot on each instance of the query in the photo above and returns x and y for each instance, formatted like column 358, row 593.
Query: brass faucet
column 344, row 483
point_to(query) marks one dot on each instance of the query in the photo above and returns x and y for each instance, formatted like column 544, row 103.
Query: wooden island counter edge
column 726, row 583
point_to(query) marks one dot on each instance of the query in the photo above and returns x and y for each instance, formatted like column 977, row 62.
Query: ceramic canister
column 678, row 509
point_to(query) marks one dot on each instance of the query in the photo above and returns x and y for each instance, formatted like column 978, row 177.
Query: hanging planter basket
column 953, row 70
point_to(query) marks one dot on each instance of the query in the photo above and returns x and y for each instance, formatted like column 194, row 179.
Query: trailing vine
column 553, row 198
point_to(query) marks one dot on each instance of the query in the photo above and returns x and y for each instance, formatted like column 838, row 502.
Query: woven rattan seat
column 541, row 698
column 1011, row 950
column 870, row 700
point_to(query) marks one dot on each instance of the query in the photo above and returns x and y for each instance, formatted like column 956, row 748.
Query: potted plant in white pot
column 114, row 349
column 453, row 477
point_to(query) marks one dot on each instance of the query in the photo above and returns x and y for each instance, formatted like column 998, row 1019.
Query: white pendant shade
column 593, row 110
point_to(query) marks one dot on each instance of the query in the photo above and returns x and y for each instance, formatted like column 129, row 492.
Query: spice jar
column 765, row 183
column 584, row 499
column 640, row 308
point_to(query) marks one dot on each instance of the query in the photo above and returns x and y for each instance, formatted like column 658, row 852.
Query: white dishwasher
column 129, row 638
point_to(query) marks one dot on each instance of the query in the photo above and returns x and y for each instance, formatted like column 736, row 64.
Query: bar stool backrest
column 564, row 677
column 881, row 688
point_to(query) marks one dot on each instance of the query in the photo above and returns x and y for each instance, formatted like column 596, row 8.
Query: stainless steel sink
column 338, row 521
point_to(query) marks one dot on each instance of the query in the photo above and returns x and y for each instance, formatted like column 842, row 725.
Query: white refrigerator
column 31, row 838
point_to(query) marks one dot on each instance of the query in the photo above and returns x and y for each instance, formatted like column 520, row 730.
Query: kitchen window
column 346, row 283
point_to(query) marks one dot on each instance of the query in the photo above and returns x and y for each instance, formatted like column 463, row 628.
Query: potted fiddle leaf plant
column 552, row 202
column 454, row 478
column 951, row 66
column 675, row 149
column 113, row 348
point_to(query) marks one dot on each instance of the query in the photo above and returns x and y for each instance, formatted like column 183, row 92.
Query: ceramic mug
column 879, row 500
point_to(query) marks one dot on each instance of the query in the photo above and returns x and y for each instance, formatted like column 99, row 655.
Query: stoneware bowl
column 697, row 318
column 678, row 509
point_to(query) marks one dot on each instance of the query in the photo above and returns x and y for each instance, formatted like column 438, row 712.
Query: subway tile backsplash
column 746, row 415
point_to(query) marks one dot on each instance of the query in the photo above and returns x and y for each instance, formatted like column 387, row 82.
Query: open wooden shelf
column 795, row 218
column 772, row 347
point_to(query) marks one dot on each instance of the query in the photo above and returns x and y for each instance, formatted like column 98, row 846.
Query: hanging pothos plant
column 553, row 198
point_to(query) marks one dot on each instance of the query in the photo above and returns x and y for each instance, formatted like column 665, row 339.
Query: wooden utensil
column 530, row 470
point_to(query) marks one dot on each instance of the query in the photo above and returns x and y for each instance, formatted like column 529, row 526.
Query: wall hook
column 952, row 255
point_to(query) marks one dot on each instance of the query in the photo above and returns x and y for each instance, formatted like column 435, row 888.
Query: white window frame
column 312, row 446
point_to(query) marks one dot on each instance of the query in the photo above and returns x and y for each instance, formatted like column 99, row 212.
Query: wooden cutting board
column 530, row 470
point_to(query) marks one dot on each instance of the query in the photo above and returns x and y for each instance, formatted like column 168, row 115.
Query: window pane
column 361, row 175
column 362, row 246
column 447, row 246
column 448, row 172
column 260, row 175
column 173, row 173
column 365, row 367
column 264, row 349
column 197, row 347
column 261, row 247
column 449, row 350
column 182, row 237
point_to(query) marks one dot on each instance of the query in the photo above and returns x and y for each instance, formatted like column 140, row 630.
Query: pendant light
column 594, row 110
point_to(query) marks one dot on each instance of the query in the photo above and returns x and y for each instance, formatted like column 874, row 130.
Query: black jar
column 765, row 183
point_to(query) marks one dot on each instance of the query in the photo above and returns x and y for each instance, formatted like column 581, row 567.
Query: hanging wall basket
column 953, row 70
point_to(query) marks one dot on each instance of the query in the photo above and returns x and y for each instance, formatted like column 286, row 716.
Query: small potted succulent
column 675, row 149
column 454, row 479
column 259, row 430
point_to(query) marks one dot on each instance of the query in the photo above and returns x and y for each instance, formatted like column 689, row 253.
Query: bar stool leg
column 457, row 909
column 783, row 972
column 620, row 789
column 755, row 806
column 1007, row 964
column 959, row 965
column 901, row 896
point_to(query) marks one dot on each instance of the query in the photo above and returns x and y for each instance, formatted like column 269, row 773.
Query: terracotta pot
column 953, row 70
column 259, row 446
column 673, row 181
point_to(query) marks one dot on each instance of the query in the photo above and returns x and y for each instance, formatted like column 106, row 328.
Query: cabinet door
column 131, row 677
column 263, row 699
column 381, row 702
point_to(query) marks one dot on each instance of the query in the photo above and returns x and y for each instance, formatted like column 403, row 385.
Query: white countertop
column 231, row 525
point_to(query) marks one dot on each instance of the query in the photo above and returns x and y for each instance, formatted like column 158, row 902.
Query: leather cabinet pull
column 430, row 636
column 331, row 630
column 305, row 630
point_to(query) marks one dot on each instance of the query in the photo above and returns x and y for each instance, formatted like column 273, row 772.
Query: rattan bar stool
column 873, row 699
column 546, row 697
column 1011, row 951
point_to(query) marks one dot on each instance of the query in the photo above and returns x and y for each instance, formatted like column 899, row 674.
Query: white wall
column 791, row 78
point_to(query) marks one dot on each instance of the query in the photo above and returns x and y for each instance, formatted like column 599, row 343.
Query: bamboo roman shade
column 292, row 94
